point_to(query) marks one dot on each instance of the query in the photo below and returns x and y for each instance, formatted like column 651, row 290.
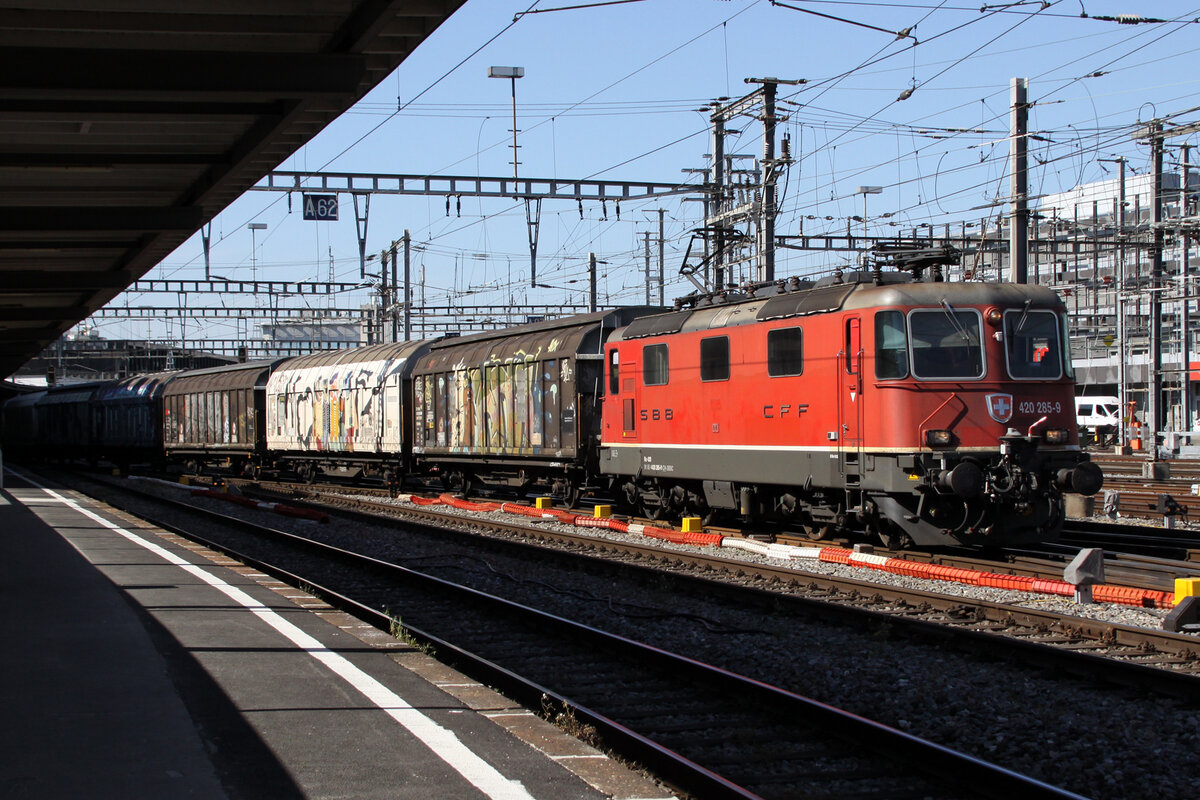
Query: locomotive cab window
column 891, row 345
column 785, row 352
column 714, row 359
column 614, row 372
column 654, row 365
column 946, row 343
column 1031, row 344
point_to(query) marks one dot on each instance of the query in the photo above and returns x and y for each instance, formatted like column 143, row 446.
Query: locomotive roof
column 970, row 293
column 826, row 295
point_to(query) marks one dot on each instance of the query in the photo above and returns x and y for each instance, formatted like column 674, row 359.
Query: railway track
column 1140, row 492
column 1130, row 549
column 698, row 725
column 1116, row 643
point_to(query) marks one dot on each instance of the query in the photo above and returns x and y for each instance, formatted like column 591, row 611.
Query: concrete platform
column 137, row 664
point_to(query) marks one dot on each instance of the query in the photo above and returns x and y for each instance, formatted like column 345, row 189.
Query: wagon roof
column 231, row 376
column 557, row 338
column 72, row 393
column 138, row 386
column 357, row 355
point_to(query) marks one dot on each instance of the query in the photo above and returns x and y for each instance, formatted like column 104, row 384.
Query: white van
column 1098, row 414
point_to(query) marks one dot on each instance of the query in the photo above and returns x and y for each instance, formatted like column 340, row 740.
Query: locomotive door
column 628, row 395
column 850, row 399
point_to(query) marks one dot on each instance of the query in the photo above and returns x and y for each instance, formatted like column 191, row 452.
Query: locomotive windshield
column 946, row 343
column 1032, row 345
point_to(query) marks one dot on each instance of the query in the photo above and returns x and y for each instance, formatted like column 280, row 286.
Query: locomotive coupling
column 1084, row 478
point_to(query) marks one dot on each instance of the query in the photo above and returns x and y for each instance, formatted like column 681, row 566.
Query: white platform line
column 444, row 743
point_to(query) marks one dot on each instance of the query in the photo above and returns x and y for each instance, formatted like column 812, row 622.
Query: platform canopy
column 125, row 125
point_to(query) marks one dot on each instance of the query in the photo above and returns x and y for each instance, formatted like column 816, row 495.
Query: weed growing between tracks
column 565, row 720
column 400, row 633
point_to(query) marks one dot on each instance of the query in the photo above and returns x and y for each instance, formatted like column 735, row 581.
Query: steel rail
column 944, row 766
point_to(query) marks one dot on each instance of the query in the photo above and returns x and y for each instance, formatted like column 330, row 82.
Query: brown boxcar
column 518, row 405
column 216, row 415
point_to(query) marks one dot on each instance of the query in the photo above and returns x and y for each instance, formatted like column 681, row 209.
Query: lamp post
column 512, row 73
column 864, row 191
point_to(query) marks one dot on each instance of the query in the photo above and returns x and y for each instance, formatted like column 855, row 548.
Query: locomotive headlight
column 1056, row 435
column 993, row 317
column 939, row 438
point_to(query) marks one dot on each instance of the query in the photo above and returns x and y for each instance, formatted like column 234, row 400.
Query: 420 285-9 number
column 1039, row 407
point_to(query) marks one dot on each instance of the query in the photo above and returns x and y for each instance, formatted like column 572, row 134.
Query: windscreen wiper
column 1024, row 315
column 958, row 326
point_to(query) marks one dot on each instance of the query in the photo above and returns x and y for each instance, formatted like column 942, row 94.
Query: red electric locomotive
column 922, row 412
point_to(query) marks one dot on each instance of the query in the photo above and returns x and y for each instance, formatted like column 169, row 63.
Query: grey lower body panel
column 789, row 468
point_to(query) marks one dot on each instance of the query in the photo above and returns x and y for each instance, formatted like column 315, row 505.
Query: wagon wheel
column 309, row 473
column 457, row 482
column 566, row 490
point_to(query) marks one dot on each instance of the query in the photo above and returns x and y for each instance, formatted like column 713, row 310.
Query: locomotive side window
column 1031, row 344
column 891, row 345
column 654, row 365
column 946, row 344
column 785, row 352
column 714, row 359
column 853, row 344
column 614, row 372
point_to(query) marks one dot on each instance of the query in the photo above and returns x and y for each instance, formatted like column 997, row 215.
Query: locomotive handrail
column 932, row 414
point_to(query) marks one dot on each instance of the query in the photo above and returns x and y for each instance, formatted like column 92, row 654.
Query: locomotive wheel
column 651, row 510
column 632, row 497
column 819, row 532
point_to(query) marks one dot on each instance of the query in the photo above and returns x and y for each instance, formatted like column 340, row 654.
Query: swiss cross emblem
column 1000, row 407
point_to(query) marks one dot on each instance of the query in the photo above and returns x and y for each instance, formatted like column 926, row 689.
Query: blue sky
column 613, row 92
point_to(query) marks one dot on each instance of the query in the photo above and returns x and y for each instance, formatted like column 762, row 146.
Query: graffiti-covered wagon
column 343, row 412
column 515, row 406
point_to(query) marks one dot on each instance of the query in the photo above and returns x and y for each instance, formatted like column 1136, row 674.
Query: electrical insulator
column 785, row 147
